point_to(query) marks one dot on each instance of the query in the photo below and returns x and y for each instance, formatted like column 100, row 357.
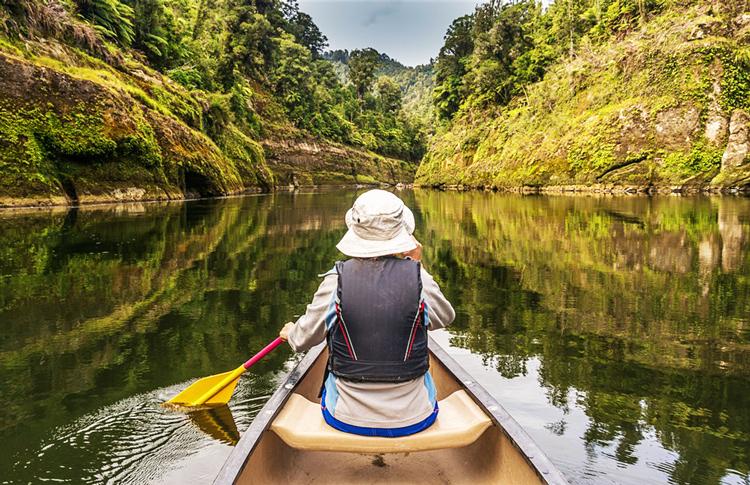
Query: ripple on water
column 137, row 440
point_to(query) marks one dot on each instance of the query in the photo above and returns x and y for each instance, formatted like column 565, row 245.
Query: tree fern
column 158, row 46
column 111, row 17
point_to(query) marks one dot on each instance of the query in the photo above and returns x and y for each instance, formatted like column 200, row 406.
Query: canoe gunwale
column 538, row 460
column 235, row 463
column 237, row 459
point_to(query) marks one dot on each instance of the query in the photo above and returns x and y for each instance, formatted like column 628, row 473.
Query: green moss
column 11, row 47
column 592, row 155
column 78, row 134
column 182, row 105
column 700, row 159
column 593, row 116
column 735, row 83
column 41, row 146
column 366, row 179
column 247, row 156
column 161, row 99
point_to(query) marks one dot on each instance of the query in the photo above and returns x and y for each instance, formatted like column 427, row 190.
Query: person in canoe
column 374, row 311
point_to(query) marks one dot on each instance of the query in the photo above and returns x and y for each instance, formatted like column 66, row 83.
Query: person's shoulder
column 328, row 273
column 425, row 274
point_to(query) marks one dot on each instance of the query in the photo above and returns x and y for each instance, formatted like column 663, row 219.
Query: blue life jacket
column 379, row 334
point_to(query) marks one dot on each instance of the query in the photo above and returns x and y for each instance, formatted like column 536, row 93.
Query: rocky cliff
column 77, row 130
column 306, row 161
column 662, row 107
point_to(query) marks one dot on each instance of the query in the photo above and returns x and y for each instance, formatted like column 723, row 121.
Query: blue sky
column 410, row 31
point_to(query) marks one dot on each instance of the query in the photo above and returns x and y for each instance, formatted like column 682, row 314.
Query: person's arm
column 310, row 328
column 440, row 312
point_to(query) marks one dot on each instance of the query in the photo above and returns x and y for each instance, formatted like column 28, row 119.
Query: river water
column 615, row 330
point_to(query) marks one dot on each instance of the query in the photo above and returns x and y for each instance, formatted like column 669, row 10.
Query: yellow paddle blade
column 213, row 390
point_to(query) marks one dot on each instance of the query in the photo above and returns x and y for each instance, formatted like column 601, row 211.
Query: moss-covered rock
column 75, row 130
column 304, row 161
column 87, row 133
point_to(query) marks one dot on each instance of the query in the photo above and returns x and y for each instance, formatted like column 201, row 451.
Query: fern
column 110, row 17
column 157, row 46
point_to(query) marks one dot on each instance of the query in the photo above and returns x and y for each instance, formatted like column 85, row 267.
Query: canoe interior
column 490, row 459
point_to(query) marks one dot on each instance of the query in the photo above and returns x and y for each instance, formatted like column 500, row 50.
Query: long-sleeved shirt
column 367, row 404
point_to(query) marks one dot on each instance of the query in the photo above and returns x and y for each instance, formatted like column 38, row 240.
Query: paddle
column 217, row 389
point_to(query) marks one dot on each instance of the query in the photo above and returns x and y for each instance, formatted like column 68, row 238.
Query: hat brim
column 356, row 247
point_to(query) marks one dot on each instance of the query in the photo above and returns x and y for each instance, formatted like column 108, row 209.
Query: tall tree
column 362, row 66
column 451, row 66
column 308, row 34
column 496, row 51
column 250, row 44
column 389, row 95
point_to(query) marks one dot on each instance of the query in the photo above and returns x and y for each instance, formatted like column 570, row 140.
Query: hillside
column 146, row 99
column 635, row 96
column 416, row 83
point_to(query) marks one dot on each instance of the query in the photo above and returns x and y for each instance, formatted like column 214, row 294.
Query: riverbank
column 22, row 206
column 75, row 130
column 659, row 108
column 605, row 189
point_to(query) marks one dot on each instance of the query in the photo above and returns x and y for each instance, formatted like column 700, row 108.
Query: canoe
column 474, row 440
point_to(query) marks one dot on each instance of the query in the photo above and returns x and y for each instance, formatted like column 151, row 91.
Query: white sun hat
column 379, row 224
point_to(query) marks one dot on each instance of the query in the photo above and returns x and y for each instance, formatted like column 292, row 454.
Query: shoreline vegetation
column 130, row 100
column 22, row 206
column 612, row 95
column 607, row 189
column 110, row 100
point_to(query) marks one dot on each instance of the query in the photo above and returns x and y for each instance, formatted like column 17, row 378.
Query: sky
column 409, row 31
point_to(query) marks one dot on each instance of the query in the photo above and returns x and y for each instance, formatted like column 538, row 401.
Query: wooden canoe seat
column 460, row 422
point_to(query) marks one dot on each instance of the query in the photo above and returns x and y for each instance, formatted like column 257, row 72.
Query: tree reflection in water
column 633, row 312
column 641, row 306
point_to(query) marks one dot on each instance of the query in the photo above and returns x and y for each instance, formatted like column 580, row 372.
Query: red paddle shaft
column 266, row 350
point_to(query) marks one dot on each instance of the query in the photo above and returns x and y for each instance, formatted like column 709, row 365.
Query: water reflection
column 217, row 422
column 632, row 310
column 114, row 302
column 615, row 330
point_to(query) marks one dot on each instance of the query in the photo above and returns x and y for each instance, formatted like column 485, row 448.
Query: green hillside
column 416, row 83
column 147, row 99
column 615, row 94
column 151, row 99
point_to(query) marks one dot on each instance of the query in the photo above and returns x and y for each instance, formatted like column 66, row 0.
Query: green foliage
column 611, row 92
column 493, row 55
column 111, row 17
column 389, row 95
column 307, row 34
column 623, row 15
column 735, row 83
column 250, row 44
column 159, row 33
column 700, row 159
column 188, row 76
column 254, row 69
column 362, row 66
column 451, row 66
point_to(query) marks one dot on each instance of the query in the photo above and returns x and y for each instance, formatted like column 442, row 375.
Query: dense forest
column 416, row 83
column 158, row 99
column 646, row 93
column 186, row 90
